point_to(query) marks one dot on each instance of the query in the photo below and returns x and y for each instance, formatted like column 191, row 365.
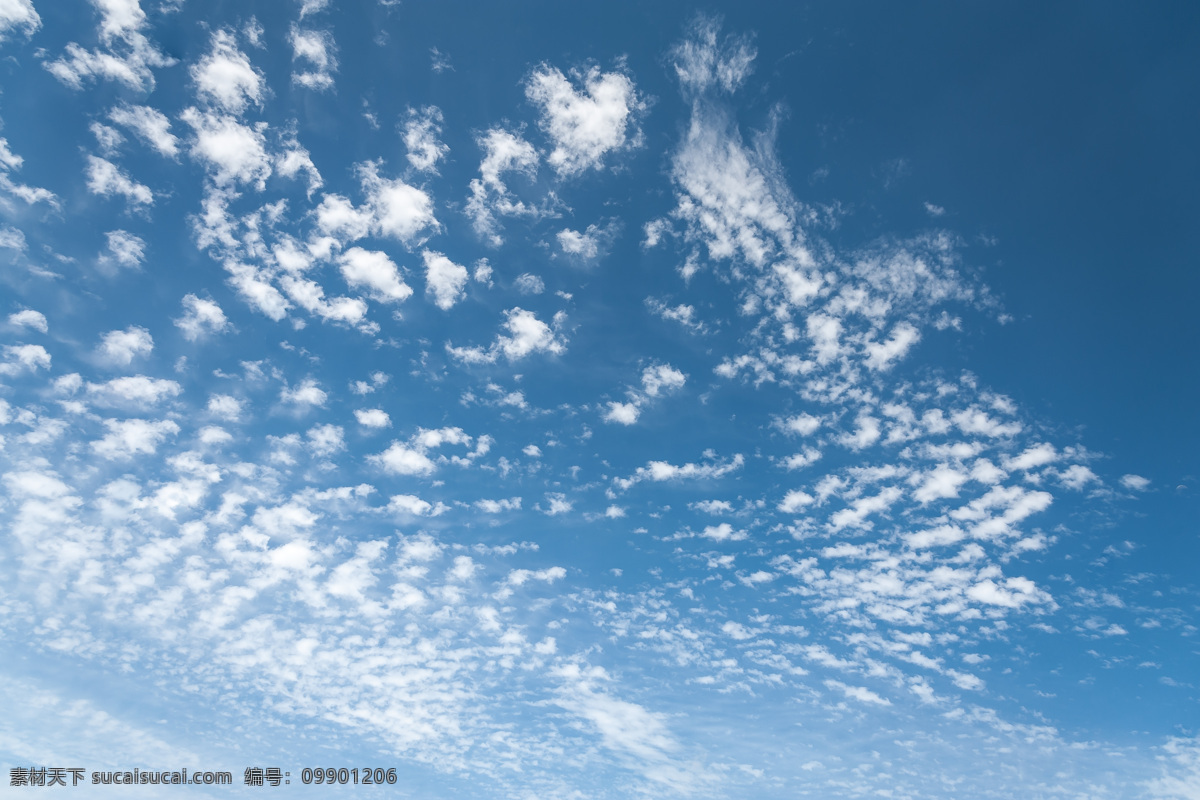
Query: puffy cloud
column 106, row 179
column 622, row 413
column 148, row 124
column 660, row 471
column 372, row 417
column 316, row 49
column 557, row 503
column 444, row 279
column 225, row 406
column 1133, row 482
column 377, row 272
column 130, row 437
column 661, row 378
column 702, row 63
column 255, row 289
column 504, row 152
column 124, row 250
column 527, row 283
column 18, row 15
column 129, row 57
column 1032, row 458
column 325, row 440
column 121, row 347
column 585, row 124
column 881, row 355
column 231, row 151
column 307, row 395
column 528, row 335
column 134, row 389
column 400, row 211
column 421, row 132
column 412, row 457
column 499, row 506
column 28, row 318
column 22, row 357
column 411, row 504
column 225, row 77
column 201, row 317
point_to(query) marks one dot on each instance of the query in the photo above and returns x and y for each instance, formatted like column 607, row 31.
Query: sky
column 562, row 401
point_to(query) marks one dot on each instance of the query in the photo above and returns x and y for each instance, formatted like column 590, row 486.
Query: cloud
column 121, row 347
column 372, row 417
column 622, row 413
column 444, row 280
column 225, row 78
column 308, row 394
column 148, row 124
column 411, row 504
column 412, row 457
column 585, row 124
column 317, row 50
column 128, row 58
column 18, row 15
column 421, row 132
column 375, row 271
column 503, row 152
column 23, row 357
column 106, row 179
column 232, row 152
column 703, row 64
column 130, row 437
column 528, row 335
column 1135, row 483
column 660, row 471
column 527, row 283
column 28, row 318
column 398, row 210
column 135, row 390
column 201, row 318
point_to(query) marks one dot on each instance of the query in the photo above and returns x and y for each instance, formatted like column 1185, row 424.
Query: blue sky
column 596, row 402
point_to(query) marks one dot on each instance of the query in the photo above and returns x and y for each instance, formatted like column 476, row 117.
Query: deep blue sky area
column 560, row 401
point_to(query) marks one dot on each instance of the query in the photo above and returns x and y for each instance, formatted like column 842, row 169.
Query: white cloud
column 107, row 179
column 444, row 279
column 307, row 395
column 421, row 132
column 124, row 250
column 134, row 389
column 231, row 151
column 528, row 283
column 372, row 417
column 499, row 506
column 130, row 58
column 583, row 245
column 623, row 413
column 1135, row 483
column 21, row 357
column 557, row 503
column 201, row 317
column 225, row 406
column 399, row 210
column 585, row 125
column 29, row 318
column 795, row 500
column 859, row 693
column 504, row 151
column 866, row 434
column 528, row 335
column 411, row 504
column 659, row 471
column 325, row 440
column 661, row 379
column 121, row 347
column 148, row 124
column 250, row 284
column 225, row 76
column 881, row 355
column 316, row 49
column 377, row 272
column 1032, row 458
column 412, row 458
column 126, row 438
column 18, row 15
column 701, row 63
